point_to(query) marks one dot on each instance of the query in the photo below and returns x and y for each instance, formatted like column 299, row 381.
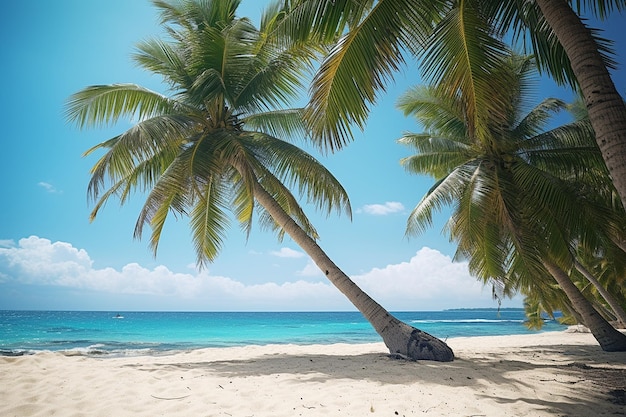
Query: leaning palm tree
column 521, row 196
column 217, row 143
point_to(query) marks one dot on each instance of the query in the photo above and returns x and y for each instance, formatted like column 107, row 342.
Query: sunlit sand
column 546, row 374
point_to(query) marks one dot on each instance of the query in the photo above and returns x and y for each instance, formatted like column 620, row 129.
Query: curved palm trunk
column 607, row 111
column 616, row 308
column 610, row 340
column 401, row 339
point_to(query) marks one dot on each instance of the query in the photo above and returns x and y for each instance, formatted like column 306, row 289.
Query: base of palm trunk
column 409, row 343
column 610, row 340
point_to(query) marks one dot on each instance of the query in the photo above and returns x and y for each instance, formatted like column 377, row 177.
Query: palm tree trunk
column 608, row 337
column 616, row 308
column 607, row 111
column 401, row 339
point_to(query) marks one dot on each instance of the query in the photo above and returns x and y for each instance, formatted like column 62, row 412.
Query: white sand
column 547, row 374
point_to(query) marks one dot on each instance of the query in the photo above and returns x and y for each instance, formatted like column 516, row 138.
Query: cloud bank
column 428, row 281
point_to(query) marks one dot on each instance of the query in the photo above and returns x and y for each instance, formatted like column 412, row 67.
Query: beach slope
column 546, row 374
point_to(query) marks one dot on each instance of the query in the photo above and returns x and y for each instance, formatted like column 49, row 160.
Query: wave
column 92, row 350
column 119, row 349
column 467, row 321
column 16, row 352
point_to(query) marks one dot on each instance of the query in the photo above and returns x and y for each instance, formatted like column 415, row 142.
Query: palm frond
column 121, row 180
column 286, row 123
column 243, row 201
column 464, row 52
column 536, row 120
column 165, row 59
column 442, row 194
column 435, row 156
column 208, row 221
column 437, row 112
column 600, row 8
column 276, row 78
column 156, row 139
column 566, row 151
column 101, row 104
column 169, row 193
column 359, row 67
column 193, row 15
column 321, row 19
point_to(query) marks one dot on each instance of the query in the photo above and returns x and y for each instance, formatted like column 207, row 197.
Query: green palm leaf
column 100, row 104
column 358, row 68
column 464, row 53
column 208, row 222
column 164, row 59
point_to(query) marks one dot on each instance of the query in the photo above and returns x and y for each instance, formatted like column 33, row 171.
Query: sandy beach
column 546, row 374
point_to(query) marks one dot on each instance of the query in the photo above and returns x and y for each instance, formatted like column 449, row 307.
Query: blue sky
column 51, row 257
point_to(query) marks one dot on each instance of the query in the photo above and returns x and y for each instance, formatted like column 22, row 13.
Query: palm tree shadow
column 594, row 377
column 585, row 376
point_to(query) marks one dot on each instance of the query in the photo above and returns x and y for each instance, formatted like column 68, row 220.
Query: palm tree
column 521, row 195
column 377, row 33
column 215, row 144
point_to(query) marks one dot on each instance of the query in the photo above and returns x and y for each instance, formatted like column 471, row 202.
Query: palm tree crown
column 515, row 186
column 200, row 150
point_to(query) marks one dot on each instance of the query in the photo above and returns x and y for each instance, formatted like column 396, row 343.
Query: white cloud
column 287, row 253
column 428, row 281
column 6, row 243
column 48, row 187
column 383, row 209
column 40, row 261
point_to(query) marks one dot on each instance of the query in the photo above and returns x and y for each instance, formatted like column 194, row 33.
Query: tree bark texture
column 607, row 111
column 608, row 337
column 401, row 339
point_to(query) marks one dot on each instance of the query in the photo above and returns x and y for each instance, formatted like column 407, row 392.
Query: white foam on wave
column 467, row 321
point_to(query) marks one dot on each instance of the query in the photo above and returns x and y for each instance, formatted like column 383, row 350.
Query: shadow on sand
column 585, row 376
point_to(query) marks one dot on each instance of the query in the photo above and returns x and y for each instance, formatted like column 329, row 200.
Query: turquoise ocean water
column 131, row 333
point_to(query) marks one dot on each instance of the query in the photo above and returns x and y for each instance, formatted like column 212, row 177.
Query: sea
column 105, row 333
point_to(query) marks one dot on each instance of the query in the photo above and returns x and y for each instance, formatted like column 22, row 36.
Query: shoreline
column 96, row 351
column 543, row 374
